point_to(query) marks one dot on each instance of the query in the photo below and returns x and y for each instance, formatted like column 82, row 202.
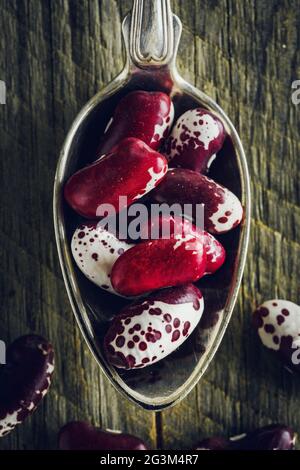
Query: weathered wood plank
column 54, row 57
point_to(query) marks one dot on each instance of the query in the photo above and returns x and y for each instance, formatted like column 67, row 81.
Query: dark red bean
column 131, row 170
column 24, row 379
column 141, row 114
column 159, row 263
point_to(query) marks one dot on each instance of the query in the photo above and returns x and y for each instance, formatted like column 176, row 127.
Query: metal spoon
column 151, row 35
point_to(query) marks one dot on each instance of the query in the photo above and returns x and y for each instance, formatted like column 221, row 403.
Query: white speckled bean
column 95, row 250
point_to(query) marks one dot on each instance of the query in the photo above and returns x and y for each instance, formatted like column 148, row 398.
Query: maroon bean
column 213, row 443
column 272, row 437
column 79, row 435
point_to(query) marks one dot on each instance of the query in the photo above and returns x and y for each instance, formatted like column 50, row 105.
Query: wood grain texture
column 54, row 56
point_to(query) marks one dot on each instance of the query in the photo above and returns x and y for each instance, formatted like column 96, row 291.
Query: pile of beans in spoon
column 144, row 159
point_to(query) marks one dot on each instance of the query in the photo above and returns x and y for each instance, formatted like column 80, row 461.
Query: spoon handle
column 151, row 33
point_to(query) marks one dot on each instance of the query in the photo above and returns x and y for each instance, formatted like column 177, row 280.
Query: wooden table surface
column 55, row 55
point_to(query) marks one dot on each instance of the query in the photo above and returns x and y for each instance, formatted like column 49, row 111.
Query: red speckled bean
column 165, row 226
column 195, row 139
column 222, row 209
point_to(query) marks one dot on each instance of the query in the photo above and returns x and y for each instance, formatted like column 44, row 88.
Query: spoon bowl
column 151, row 35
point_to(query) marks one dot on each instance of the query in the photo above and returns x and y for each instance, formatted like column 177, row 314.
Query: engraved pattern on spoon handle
column 151, row 32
